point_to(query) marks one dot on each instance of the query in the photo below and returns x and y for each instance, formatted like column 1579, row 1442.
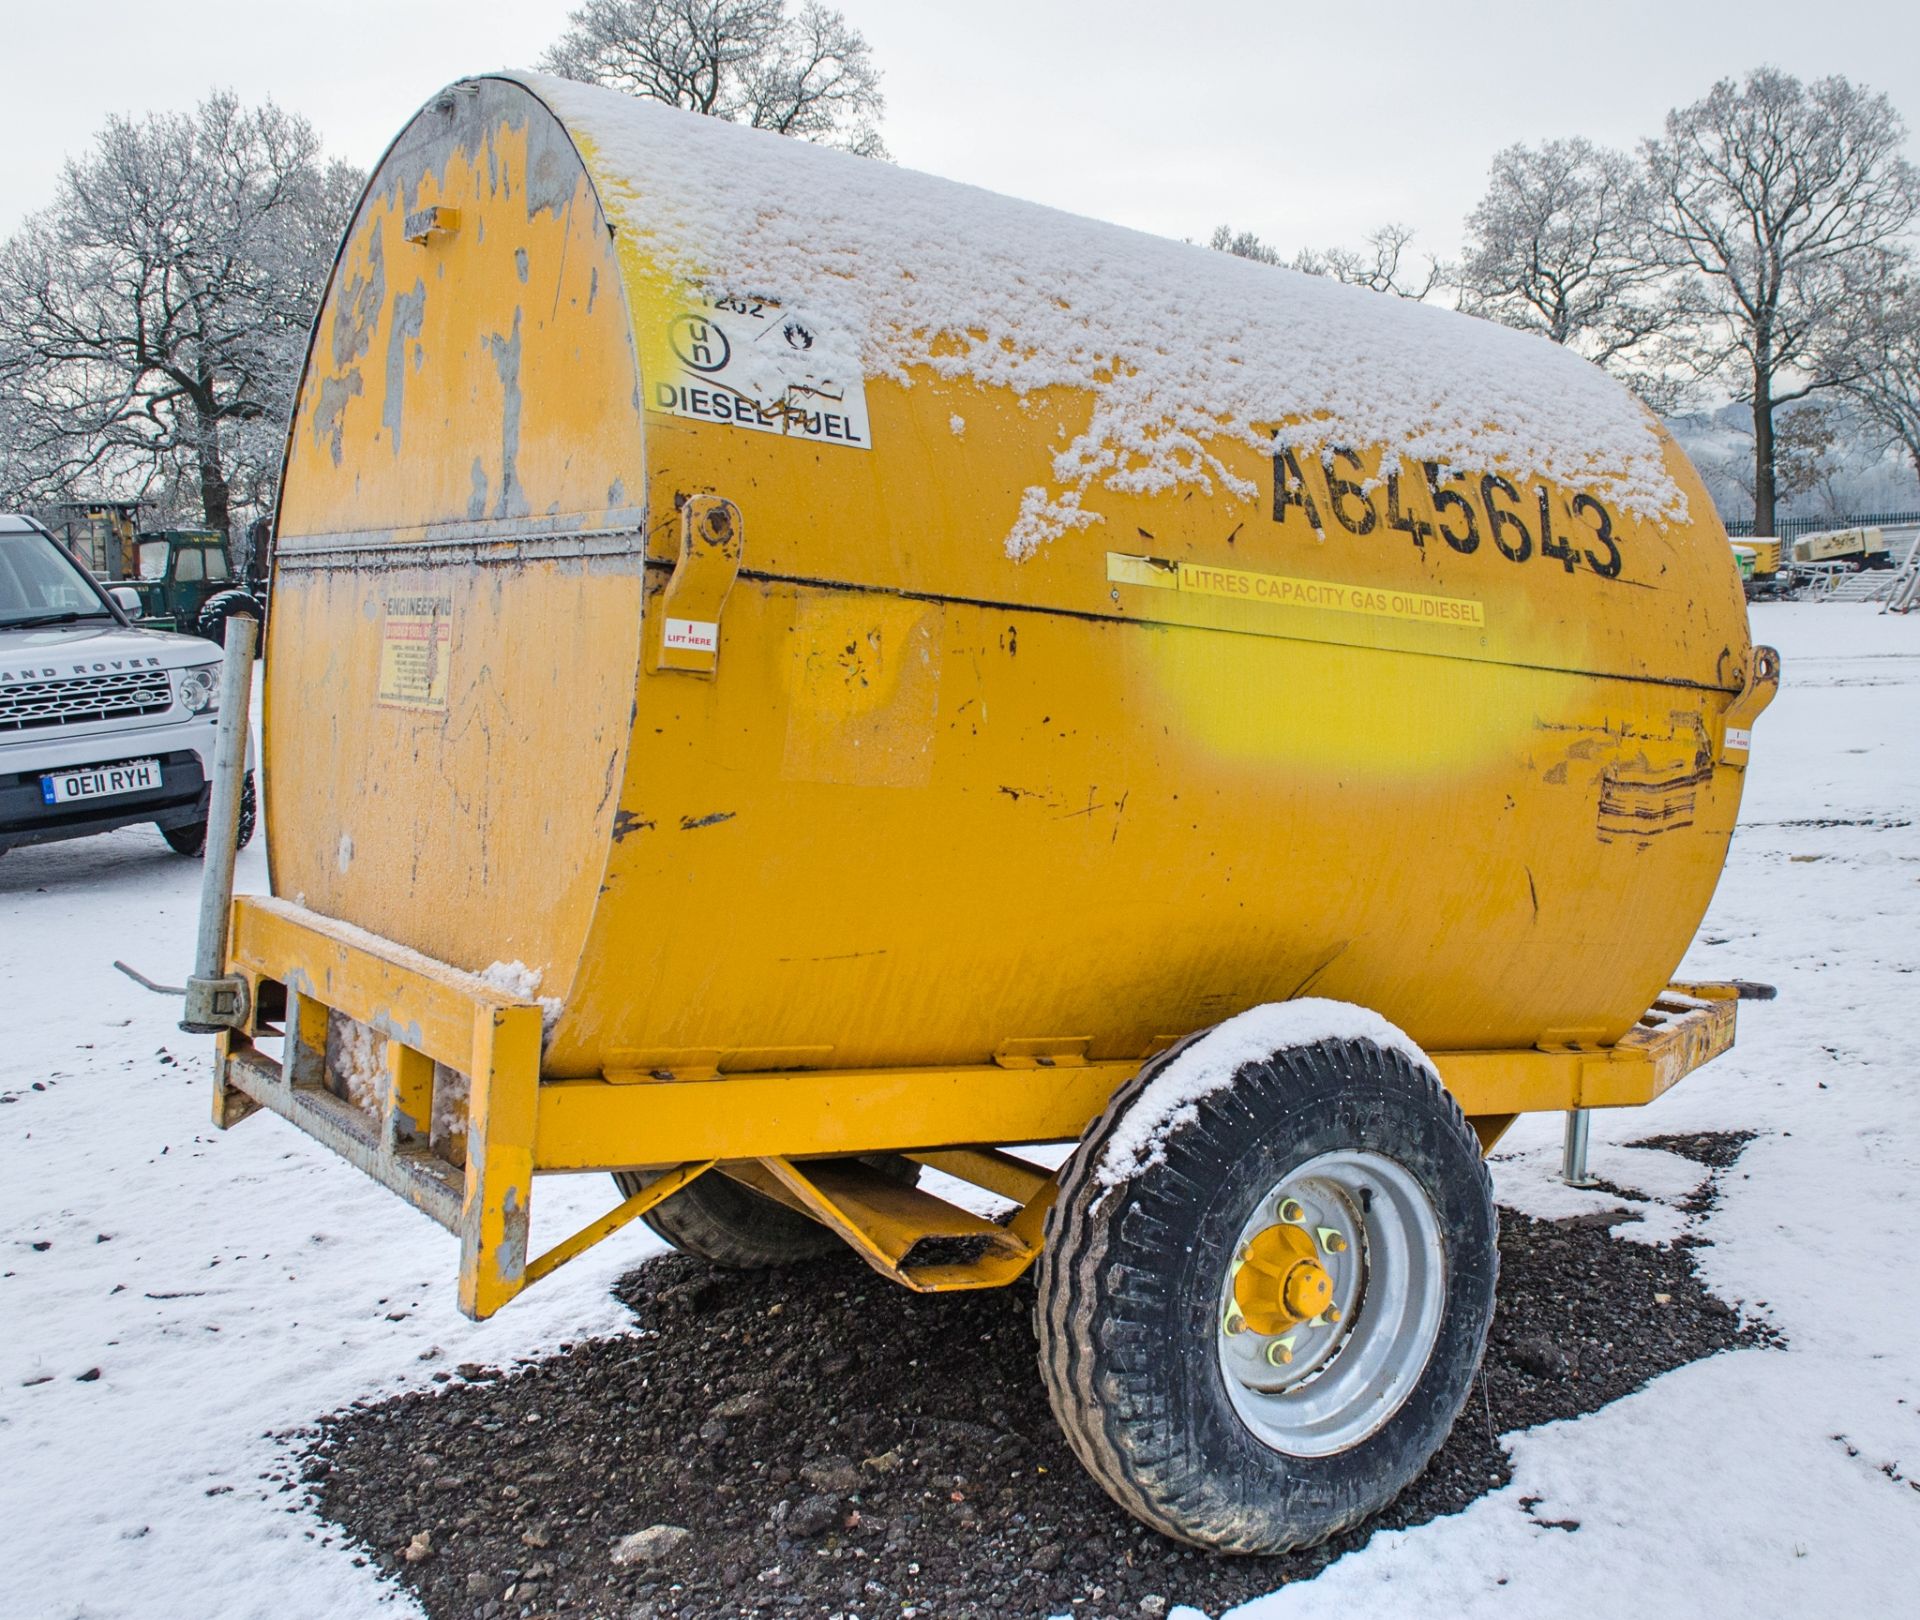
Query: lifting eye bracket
column 685, row 632
column 1763, row 682
column 425, row 225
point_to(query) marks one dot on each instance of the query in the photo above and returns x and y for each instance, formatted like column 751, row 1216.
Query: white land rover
column 102, row 723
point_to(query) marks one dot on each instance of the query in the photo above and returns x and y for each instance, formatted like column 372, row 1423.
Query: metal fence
column 1793, row 528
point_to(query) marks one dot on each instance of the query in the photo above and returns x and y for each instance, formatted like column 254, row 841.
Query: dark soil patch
column 1878, row 823
column 1715, row 1149
column 838, row 1446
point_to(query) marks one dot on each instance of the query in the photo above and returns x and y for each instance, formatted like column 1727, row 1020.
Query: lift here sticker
column 1278, row 590
column 752, row 363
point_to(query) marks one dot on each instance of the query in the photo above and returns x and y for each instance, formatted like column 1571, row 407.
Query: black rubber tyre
column 218, row 609
column 1129, row 1285
column 192, row 838
column 718, row 1220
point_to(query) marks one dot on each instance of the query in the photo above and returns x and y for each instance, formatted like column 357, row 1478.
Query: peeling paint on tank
column 409, row 310
column 357, row 314
column 512, row 501
column 628, row 822
column 477, row 501
column 520, row 264
column 553, row 170
column 329, row 416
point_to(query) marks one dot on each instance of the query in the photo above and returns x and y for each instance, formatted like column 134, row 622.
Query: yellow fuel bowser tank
column 784, row 671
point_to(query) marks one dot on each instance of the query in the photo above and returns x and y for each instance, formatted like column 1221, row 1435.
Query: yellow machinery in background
column 101, row 534
column 1864, row 548
column 684, row 763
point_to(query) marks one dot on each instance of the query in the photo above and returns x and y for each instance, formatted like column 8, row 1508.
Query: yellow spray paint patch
column 1311, row 712
column 1279, row 590
column 863, row 689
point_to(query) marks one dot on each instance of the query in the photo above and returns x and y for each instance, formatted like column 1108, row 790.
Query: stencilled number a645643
column 1466, row 511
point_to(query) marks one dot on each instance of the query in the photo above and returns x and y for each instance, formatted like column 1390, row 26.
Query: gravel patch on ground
column 834, row 1445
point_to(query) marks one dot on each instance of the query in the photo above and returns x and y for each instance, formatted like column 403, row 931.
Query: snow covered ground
column 173, row 1298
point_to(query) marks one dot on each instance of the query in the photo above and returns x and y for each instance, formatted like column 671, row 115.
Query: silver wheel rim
column 1325, row 1384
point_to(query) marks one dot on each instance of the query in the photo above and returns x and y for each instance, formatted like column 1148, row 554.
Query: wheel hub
column 1331, row 1302
column 1279, row 1282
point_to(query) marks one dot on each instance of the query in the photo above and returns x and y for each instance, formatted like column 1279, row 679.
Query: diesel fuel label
column 752, row 363
column 415, row 637
column 1278, row 590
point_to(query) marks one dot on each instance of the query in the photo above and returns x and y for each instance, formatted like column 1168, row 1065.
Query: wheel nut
column 1278, row 1355
column 1332, row 1241
column 1292, row 1210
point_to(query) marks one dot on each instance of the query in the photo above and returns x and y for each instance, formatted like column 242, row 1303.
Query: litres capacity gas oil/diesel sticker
column 1278, row 590
column 752, row 363
column 415, row 638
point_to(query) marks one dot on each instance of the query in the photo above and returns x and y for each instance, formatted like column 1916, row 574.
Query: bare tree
column 153, row 319
column 1780, row 203
column 1561, row 245
column 805, row 73
column 1243, row 245
column 1885, row 388
column 1377, row 265
column 1806, row 439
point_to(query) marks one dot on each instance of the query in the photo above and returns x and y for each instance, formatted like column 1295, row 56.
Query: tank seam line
column 1214, row 629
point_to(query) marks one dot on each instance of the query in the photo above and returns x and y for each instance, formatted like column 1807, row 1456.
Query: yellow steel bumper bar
column 462, row 1050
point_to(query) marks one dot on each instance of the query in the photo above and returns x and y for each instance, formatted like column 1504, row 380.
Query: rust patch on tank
column 1639, row 805
column 1644, row 783
column 1642, row 798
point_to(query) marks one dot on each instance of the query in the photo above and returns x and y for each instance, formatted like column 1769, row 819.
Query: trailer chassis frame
column 447, row 1032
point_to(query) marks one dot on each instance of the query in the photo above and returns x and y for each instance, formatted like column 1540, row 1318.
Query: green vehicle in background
column 186, row 581
column 184, row 578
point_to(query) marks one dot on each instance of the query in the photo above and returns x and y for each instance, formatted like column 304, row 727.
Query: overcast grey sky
column 1308, row 123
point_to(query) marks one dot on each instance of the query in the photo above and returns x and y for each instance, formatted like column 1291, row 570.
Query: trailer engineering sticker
column 1196, row 579
column 415, row 637
column 750, row 363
